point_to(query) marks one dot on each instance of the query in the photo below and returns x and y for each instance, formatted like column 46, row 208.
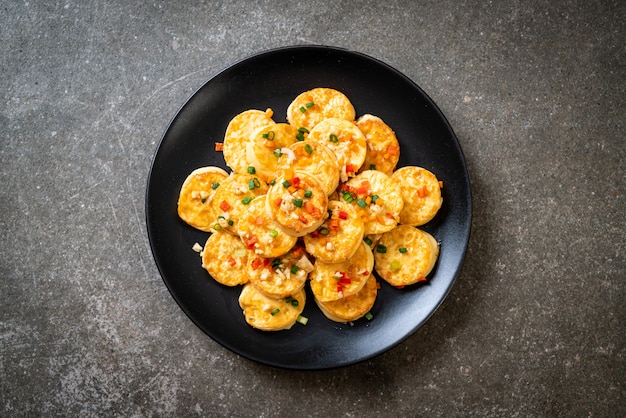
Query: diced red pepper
column 349, row 168
column 256, row 263
column 224, row 206
column 295, row 181
column 232, row 262
column 251, row 241
column 392, row 150
column 343, row 215
column 219, row 146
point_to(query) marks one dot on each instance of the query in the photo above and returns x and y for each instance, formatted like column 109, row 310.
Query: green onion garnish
column 381, row 249
column 273, row 233
column 251, row 170
column 361, row 202
column 286, row 184
column 324, row 231
column 269, row 135
column 369, row 316
column 308, row 193
column 298, row 202
column 277, row 153
column 247, row 200
column 294, row 269
column 372, row 166
column 402, row 249
column 302, row 109
column 302, row 320
column 310, row 104
column 215, row 185
column 308, row 148
column 375, row 198
column 231, row 222
column 368, row 241
column 333, row 138
column 275, row 311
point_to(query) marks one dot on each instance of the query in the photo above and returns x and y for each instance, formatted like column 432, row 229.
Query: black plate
column 273, row 79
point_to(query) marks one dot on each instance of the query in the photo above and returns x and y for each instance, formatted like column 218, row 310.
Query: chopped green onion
column 302, row 320
column 308, row 193
column 273, row 233
column 276, row 263
column 324, row 231
column 361, row 202
column 298, row 202
column 310, row 104
column 231, row 222
column 215, row 185
column 203, row 200
column 217, row 227
column 402, row 249
column 273, row 182
column 286, row 184
column 240, row 252
column 369, row 316
column 275, row 311
column 251, row 170
column 269, row 135
column 251, row 185
column 395, row 265
column 303, row 130
column 277, row 153
column 333, row 138
column 372, row 166
column 302, row 109
column 247, row 200
column 308, row 148
column 381, row 249
column 295, row 303
column 375, row 198
column 368, row 241
column 294, row 269
column 300, row 136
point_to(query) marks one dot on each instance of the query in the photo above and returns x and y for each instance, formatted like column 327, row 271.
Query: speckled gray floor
column 535, row 325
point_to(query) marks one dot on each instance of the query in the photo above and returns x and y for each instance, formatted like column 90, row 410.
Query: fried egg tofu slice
column 232, row 197
column 297, row 204
column 378, row 199
column 346, row 140
column 339, row 237
column 353, row 307
column 239, row 133
column 260, row 233
column 264, row 150
column 225, row 258
column 194, row 201
column 269, row 314
column 313, row 158
column 421, row 192
column 405, row 255
column 335, row 281
column 383, row 149
column 313, row 106
column 281, row 276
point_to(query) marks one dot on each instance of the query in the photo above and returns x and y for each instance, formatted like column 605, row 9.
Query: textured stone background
column 535, row 325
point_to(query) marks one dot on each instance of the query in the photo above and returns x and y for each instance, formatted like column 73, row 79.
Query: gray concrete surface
column 535, row 325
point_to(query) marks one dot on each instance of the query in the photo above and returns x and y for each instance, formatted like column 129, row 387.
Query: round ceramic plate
column 273, row 79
